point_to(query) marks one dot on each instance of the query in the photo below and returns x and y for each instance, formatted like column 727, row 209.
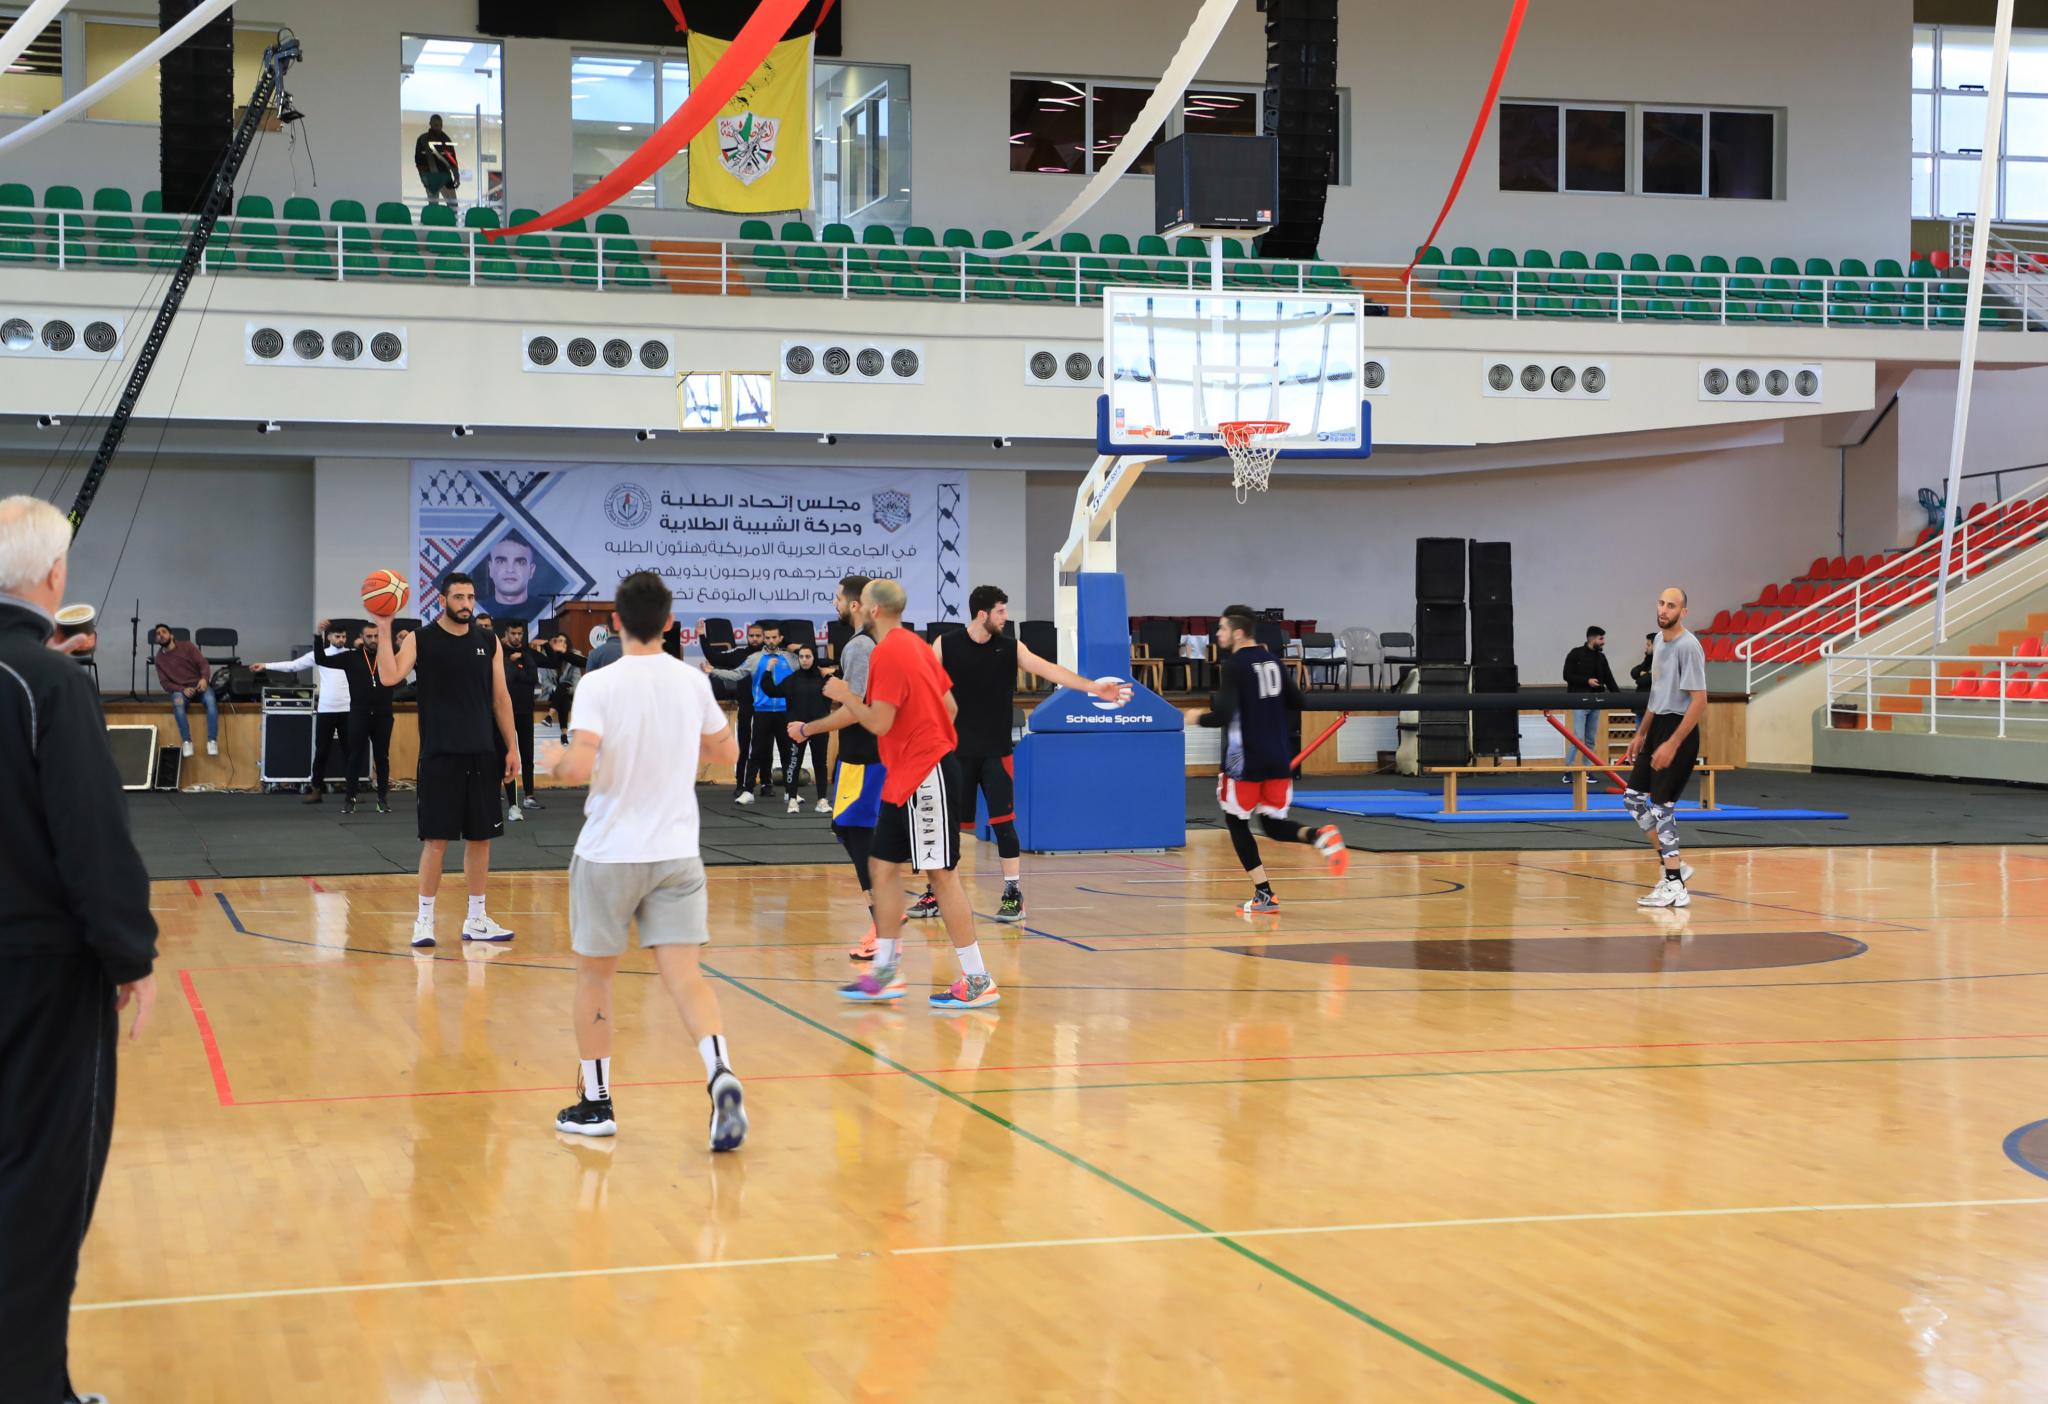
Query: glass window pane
column 2029, row 72
column 1965, row 58
column 1923, row 58
column 674, row 178
column 1742, row 156
column 1962, row 121
column 1048, row 125
column 34, row 83
column 461, row 81
column 1595, row 150
column 107, row 47
column 1115, row 110
column 1674, row 146
column 611, row 106
column 1923, row 187
column 1230, row 114
column 2026, row 127
column 2026, row 190
column 1923, row 121
column 1956, row 189
column 1528, row 146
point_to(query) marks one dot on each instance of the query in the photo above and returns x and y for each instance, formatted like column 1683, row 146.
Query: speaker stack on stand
column 1441, row 738
column 1301, row 110
column 1493, row 645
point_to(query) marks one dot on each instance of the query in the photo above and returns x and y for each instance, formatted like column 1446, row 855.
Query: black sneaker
column 348, row 806
column 383, row 805
column 587, row 1118
column 728, row 1111
column 1012, row 906
column 925, row 906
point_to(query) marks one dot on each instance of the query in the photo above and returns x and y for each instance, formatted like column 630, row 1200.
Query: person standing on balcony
column 435, row 158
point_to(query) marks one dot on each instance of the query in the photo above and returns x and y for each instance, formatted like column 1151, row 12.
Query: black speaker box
column 1491, row 678
column 1440, row 633
column 1211, row 181
column 1439, row 677
column 1493, row 635
column 1440, row 569
column 1492, row 573
column 197, row 81
column 1442, row 750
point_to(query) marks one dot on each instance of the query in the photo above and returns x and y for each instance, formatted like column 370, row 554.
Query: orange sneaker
column 866, row 949
column 1330, row 843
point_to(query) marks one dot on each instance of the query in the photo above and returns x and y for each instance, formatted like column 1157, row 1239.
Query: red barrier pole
column 1568, row 734
column 1312, row 747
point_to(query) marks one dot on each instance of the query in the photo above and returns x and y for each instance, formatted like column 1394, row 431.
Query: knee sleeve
column 1664, row 822
column 1241, row 839
column 1638, row 806
column 1006, row 839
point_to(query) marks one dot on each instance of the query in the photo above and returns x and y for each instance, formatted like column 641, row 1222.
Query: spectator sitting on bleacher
column 433, row 155
column 182, row 669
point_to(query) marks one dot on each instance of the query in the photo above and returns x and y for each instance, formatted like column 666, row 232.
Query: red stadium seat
column 2029, row 648
column 1769, row 595
column 2038, row 692
column 1723, row 622
column 1818, row 570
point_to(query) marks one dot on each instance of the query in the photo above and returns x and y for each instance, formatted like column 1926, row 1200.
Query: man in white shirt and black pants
column 638, row 731
column 330, row 721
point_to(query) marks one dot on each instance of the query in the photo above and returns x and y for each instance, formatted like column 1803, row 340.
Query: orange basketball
column 384, row 593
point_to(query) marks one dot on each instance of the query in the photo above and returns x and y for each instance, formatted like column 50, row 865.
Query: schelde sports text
column 1107, row 719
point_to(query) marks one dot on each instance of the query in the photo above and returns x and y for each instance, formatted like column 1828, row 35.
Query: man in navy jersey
column 1253, row 697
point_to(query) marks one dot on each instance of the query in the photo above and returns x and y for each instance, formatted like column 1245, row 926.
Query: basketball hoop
column 1249, row 442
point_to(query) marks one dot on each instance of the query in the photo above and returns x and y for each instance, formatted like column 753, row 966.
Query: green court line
column 1501, row 1072
column 1321, row 1293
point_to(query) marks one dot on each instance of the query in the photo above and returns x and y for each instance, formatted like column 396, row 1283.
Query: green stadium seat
column 1886, row 288
column 770, row 258
column 940, row 273
column 152, row 202
column 917, row 236
column 1679, row 263
column 256, row 228
column 574, row 226
column 629, row 274
column 1094, row 273
column 1327, row 277
column 1429, row 256
column 1058, row 273
column 308, row 263
column 66, row 221
column 1538, row 258
column 864, row 285
column 612, row 222
column 521, row 216
column 878, row 235
column 756, row 231
column 265, row 258
column 1114, row 245
column 579, row 259
column 615, row 239
column 438, row 217
column 119, row 253
column 533, row 270
column 1474, row 304
column 996, row 239
column 825, row 283
column 781, row 280
column 1032, row 290
column 892, row 262
column 108, row 200
column 992, row 288
column 809, row 258
column 1075, row 244
column 795, row 231
column 493, row 265
column 1134, row 271
column 395, row 212
column 220, row 257
column 837, row 233
column 16, row 194
column 1014, row 266
column 907, row 285
column 63, row 197
column 17, row 228
column 1592, row 309
column 957, row 239
column 1700, row 310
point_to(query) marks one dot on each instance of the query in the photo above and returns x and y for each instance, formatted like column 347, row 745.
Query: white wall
column 362, row 514
column 1414, row 77
column 2008, row 428
column 216, row 542
column 1592, row 544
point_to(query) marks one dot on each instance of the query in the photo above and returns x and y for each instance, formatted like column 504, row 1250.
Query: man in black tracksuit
column 522, row 680
column 76, row 945
column 369, row 716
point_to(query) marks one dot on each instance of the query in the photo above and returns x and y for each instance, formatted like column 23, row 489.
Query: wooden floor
column 1454, row 1127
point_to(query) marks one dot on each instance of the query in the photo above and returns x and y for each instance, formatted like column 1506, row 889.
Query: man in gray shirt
column 857, row 780
column 1667, row 745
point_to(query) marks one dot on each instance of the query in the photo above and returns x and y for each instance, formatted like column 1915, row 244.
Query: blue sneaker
column 883, row 983
column 968, row 992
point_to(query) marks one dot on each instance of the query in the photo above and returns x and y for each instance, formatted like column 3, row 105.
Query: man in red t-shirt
column 910, row 710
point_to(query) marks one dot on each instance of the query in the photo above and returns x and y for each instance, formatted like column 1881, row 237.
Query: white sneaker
column 1666, row 894
column 513, row 816
column 824, row 806
column 484, row 929
column 422, row 932
column 212, row 749
column 745, row 797
column 796, row 806
column 186, row 747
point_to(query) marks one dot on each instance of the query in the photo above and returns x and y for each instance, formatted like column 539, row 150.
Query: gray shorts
column 669, row 900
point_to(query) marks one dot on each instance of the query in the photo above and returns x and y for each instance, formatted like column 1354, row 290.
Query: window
column 864, row 151
column 1951, row 72
column 1583, row 149
column 1224, row 112
column 860, row 152
column 1070, row 126
column 1547, row 146
column 615, row 103
column 461, row 81
column 35, row 82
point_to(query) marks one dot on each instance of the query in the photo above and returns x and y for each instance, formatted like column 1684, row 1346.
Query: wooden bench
column 1579, row 771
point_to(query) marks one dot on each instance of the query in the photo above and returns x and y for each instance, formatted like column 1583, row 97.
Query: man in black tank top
column 983, row 663
column 468, row 748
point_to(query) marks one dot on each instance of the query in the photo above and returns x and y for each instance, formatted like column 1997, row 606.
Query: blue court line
column 2019, row 1157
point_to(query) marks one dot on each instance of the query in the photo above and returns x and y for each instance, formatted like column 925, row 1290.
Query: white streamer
column 34, row 20
column 170, row 39
column 1194, row 51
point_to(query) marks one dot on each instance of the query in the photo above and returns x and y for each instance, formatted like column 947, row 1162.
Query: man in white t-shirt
column 638, row 730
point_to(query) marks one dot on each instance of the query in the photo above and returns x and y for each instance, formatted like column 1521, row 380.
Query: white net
column 1253, row 445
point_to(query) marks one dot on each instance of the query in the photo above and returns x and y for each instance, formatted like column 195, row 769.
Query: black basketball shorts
column 461, row 797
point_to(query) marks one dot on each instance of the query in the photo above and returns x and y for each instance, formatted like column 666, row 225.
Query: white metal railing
column 1903, row 584
column 2002, row 697
column 2016, row 263
column 345, row 251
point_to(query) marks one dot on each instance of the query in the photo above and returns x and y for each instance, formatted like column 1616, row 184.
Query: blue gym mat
column 1513, row 806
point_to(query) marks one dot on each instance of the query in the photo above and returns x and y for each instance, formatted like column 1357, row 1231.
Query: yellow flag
column 755, row 155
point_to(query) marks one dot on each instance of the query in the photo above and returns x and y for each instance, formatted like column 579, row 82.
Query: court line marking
column 1104, row 1241
column 1357, row 1313
column 1507, row 1072
column 2011, row 1146
column 1720, row 897
column 214, row 1064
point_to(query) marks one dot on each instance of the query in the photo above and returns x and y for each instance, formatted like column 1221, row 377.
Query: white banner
column 735, row 543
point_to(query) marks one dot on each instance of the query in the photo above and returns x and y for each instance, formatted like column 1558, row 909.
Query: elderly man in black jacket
column 76, row 946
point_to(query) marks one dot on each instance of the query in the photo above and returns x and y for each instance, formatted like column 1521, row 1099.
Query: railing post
column 845, row 272
column 724, row 267
column 1934, row 698
column 963, row 273
column 340, row 254
column 1723, row 277
column 1870, row 695
column 2001, row 698
column 1515, row 294
column 469, row 238
column 1408, row 295
column 63, row 243
column 600, row 263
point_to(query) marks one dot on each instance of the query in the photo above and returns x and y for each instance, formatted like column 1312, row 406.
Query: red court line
column 193, row 883
column 213, row 1060
column 314, row 885
column 221, row 1076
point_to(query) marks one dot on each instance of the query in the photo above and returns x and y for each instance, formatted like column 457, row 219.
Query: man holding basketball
column 467, row 749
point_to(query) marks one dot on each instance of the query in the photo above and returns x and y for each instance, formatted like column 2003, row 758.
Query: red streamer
column 1500, row 73
column 675, row 7
column 760, row 35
